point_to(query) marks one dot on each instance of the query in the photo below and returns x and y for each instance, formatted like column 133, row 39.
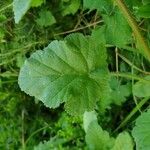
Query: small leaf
column 46, row 18
column 123, row 142
column 45, row 145
column 141, row 131
column 36, row 3
column 20, row 7
column 101, row 5
column 142, row 89
column 119, row 91
column 118, row 32
column 70, row 71
column 144, row 11
column 70, row 7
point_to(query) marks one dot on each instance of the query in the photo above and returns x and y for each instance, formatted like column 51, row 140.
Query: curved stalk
column 135, row 28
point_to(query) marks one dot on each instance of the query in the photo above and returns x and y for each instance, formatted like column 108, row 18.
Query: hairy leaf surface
column 71, row 71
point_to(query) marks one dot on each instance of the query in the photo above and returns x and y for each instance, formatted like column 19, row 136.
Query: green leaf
column 123, row 142
column 144, row 11
column 146, row 1
column 20, row 7
column 70, row 7
column 70, row 71
column 142, row 89
column 46, row 145
column 36, row 3
column 88, row 118
column 119, row 92
column 99, row 35
column 118, row 32
column 101, row 5
column 96, row 137
column 141, row 131
column 46, row 18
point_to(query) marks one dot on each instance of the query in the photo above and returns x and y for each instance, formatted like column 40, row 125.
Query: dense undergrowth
column 74, row 74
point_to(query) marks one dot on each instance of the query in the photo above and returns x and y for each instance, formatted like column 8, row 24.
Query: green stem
column 134, row 27
column 129, row 76
column 35, row 132
column 132, row 113
column 4, row 8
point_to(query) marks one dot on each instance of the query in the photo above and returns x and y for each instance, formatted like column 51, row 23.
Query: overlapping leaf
column 119, row 92
column 101, row 5
column 141, row 131
column 96, row 137
column 20, row 7
column 144, row 11
column 123, row 142
column 46, row 18
column 99, row 139
column 70, row 7
column 142, row 89
column 118, row 31
column 70, row 71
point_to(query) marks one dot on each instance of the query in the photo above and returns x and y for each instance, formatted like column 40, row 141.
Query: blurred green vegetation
column 24, row 121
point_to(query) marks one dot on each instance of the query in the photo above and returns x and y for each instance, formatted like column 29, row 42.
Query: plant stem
column 80, row 28
column 35, row 132
column 4, row 8
column 23, row 142
column 140, row 39
column 129, row 76
column 131, row 114
column 132, row 65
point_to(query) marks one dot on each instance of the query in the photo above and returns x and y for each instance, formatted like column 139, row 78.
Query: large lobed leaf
column 72, row 71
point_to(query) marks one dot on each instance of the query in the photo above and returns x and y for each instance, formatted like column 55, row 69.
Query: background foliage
column 121, row 119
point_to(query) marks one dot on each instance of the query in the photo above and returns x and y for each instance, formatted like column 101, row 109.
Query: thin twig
column 4, row 8
column 132, row 65
column 80, row 28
